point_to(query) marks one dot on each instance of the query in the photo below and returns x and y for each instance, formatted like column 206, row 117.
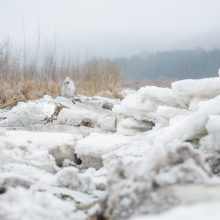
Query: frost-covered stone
column 61, row 153
column 107, row 105
column 68, row 88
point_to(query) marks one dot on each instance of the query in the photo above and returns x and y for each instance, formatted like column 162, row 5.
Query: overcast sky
column 111, row 28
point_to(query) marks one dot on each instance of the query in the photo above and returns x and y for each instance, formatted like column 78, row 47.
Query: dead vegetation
column 31, row 76
column 98, row 77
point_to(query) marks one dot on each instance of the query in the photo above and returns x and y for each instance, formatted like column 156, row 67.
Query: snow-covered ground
column 155, row 154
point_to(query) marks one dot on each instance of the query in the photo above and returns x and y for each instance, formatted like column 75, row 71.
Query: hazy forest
column 171, row 65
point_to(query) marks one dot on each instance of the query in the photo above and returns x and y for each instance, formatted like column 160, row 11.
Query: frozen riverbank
column 91, row 158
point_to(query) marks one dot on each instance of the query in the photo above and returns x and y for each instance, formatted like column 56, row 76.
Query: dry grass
column 11, row 94
column 25, row 77
column 98, row 77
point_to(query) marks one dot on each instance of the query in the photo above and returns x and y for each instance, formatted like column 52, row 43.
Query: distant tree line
column 177, row 64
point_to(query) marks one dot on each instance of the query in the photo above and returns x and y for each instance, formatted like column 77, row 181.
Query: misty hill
column 178, row 64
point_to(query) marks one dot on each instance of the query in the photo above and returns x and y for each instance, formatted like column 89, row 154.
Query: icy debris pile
column 184, row 148
column 155, row 149
column 145, row 186
column 142, row 104
column 159, row 105
column 40, row 167
column 91, row 113
column 138, row 110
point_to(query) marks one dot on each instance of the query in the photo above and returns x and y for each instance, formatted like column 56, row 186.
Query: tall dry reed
column 26, row 76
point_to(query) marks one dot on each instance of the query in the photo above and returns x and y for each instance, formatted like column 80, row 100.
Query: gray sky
column 111, row 28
